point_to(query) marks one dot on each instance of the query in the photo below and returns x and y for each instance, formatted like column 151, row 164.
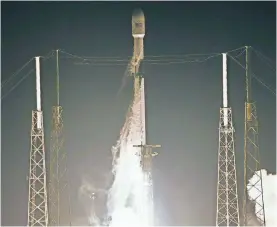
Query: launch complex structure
column 49, row 190
column 228, row 213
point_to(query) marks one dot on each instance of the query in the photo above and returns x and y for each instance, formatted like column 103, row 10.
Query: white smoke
column 269, row 182
column 127, row 202
column 88, row 193
column 86, row 188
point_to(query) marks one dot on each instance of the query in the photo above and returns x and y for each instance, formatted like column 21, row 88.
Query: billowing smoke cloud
column 127, row 202
column 88, row 194
column 269, row 195
column 86, row 188
column 80, row 221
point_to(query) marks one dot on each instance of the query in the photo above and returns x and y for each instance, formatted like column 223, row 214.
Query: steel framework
column 227, row 196
column 59, row 207
column 255, row 208
column 59, row 198
column 37, row 205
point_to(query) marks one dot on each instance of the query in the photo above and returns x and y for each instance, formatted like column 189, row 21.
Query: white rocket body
column 138, row 32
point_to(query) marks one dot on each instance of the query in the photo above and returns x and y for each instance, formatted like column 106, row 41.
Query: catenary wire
column 160, row 62
column 49, row 55
column 255, row 76
column 13, row 87
column 118, row 58
column 87, row 60
column 147, row 61
column 265, row 59
column 15, row 74
column 241, row 53
column 153, row 62
column 264, row 56
column 106, row 61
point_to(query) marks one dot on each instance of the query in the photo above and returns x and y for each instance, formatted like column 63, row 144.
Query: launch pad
column 133, row 164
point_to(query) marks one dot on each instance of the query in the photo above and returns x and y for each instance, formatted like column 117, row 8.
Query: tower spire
column 59, row 197
column 37, row 204
column 58, row 78
column 227, row 196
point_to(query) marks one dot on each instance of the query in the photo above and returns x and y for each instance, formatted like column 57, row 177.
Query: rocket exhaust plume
column 269, row 182
column 127, row 200
column 127, row 73
column 128, row 203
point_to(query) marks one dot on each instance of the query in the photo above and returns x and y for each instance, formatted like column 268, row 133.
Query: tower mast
column 252, row 157
column 227, row 196
column 59, row 210
column 37, row 204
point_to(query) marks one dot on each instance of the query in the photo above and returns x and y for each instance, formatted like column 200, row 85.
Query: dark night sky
column 183, row 101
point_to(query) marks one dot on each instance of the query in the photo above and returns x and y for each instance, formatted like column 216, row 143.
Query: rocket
column 138, row 32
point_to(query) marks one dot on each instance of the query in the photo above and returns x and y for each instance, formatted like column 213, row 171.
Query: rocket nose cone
column 138, row 13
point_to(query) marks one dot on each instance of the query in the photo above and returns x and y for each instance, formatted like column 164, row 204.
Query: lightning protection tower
column 227, row 196
column 255, row 208
column 37, row 204
column 59, row 198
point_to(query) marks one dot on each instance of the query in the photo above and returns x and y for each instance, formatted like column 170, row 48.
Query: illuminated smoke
column 127, row 201
column 86, row 188
column 93, row 219
column 88, row 193
column 269, row 195
column 124, row 78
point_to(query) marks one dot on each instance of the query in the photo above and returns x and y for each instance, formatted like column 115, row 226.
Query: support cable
column 149, row 62
column 116, row 61
column 16, row 73
column 255, row 76
column 116, row 58
column 17, row 84
column 265, row 59
column 44, row 58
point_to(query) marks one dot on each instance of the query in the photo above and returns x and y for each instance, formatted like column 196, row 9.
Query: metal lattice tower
column 227, row 196
column 252, row 209
column 59, row 199
column 37, row 204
